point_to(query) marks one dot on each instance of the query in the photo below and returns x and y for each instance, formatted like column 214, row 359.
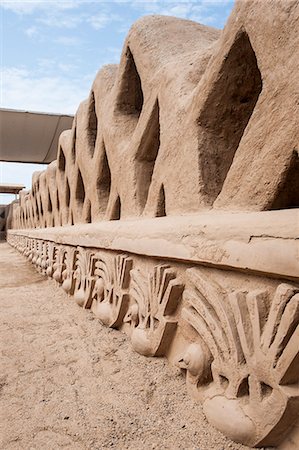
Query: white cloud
column 114, row 53
column 101, row 20
column 204, row 11
column 61, row 20
column 67, row 40
column 30, row 6
column 21, row 89
column 47, row 65
column 161, row 3
column 58, row 14
column 66, row 67
column 182, row 11
column 31, row 31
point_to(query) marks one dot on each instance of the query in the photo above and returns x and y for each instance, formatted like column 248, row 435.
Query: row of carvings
column 242, row 361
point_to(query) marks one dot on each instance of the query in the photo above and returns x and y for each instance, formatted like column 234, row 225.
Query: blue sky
column 51, row 50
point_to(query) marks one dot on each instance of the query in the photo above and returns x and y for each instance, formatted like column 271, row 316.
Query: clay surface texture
column 172, row 210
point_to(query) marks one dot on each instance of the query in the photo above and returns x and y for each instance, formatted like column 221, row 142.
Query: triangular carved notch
column 227, row 111
column 67, row 193
column 87, row 217
column 161, row 207
column 116, row 210
column 74, row 139
column 61, row 160
column 80, row 190
column 92, row 124
column 147, row 154
column 103, row 181
column 50, row 208
column 288, row 191
column 130, row 96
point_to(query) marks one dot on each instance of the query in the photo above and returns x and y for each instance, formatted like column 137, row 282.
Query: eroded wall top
column 191, row 119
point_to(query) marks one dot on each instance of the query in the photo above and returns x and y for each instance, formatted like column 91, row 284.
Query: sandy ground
column 67, row 382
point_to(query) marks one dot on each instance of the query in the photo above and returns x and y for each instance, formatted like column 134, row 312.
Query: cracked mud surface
column 67, row 382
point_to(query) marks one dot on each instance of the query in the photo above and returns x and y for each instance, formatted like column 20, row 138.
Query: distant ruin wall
column 4, row 209
column 172, row 211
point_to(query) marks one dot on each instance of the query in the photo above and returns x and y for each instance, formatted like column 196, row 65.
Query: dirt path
column 68, row 382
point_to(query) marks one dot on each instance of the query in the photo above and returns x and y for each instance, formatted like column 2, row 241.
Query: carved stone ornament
column 110, row 296
column 152, row 315
column 51, row 255
column 244, row 368
column 59, row 264
column 84, row 277
column 68, row 274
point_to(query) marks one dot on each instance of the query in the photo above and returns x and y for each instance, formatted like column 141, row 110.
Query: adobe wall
column 2, row 221
column 172, row 210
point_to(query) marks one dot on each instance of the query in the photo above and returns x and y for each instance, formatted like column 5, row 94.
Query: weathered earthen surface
column 235, row 334
column 68, row 382
column 172, row 174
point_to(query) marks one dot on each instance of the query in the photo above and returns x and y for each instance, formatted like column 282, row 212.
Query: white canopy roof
column 30, row 137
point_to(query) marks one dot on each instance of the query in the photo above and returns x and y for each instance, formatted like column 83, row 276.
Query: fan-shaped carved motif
column 84, row 276
column 152, row 315
column 69, row 271
column 50, row 258
column 59, row 264
column 246, row 359
column 110, row 295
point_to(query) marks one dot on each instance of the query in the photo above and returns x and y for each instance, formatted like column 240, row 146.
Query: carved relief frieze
column 110, row 296
column 84, row 276
column 245, row 365
column 50, row 259
column 155, row 296
column 68, row 274
column 27, row 246
column 42, row 263
column 32, row 250
column 240, row 349
column 36, row 252
column 59, row 264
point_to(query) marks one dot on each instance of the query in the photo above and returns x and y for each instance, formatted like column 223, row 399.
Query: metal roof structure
column 30, row 137
column 10, row 188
